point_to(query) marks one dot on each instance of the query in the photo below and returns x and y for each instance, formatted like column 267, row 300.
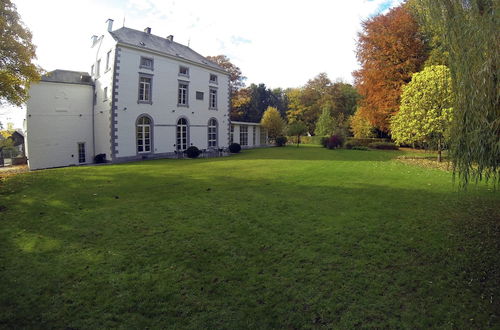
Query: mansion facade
column 145, row 97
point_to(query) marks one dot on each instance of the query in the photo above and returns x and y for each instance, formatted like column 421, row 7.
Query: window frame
column 180, row 137
column 108, row 58
column 216, row 81
column 243, row 135
column 144, row 101
column 181, row 67
column 212, row 133
column 142, row 66
column 210, row 94
column 82, row 154
column 146, row 134
column 185, row 94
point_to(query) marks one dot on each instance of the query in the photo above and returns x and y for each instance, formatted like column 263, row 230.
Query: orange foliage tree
column 390, row 49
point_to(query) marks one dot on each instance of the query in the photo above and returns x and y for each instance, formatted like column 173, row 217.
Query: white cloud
column 279, row 43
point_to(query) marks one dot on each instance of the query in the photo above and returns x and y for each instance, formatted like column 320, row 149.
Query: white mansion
column 146, row 97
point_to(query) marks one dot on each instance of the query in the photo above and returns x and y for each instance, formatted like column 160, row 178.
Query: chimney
column 110, row 24
column 147, row 30
column 94, row 40
column 170, row 38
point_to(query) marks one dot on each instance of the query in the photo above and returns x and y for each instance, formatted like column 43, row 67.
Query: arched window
column 143, row 134
column 182, row 134
column 212, row 133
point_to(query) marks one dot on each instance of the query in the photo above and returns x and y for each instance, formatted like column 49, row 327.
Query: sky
column 276, row 42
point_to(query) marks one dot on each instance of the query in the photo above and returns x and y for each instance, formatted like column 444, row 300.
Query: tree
column 325, row 124
column 469, row 32
column 360, row 126
column 426, row 109
column 297, row 129
column 16, row 55
column 390, row 48
column 273, row 123
column 236, row 78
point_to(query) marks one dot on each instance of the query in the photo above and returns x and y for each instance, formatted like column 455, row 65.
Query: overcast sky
column 279, row 43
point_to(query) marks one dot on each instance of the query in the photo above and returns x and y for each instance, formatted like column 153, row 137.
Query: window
column 184, row 71
column 92, row 70
column 263, row 136
column 145, row 89
column 231, row 134
column 182, row 97
column 146, row 63
column 199, row 96
column 254, row 133
column 213, row 78
column 182, row 134
column 81, row 152
column 105, row 94
column 213, row 99
column 143, row 133
column 98, row 69
column 243, row 135
column 212, row 133
column 108, row 57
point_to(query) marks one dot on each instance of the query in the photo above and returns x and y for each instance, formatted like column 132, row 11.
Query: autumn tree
column 360, row 126
column 16, row 55
column 236, row 78
column 426, row 109
column 273, row 123
column 390, row 48
column 469, row 32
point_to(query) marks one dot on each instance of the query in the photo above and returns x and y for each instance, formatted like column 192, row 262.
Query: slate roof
column 69, row 77
column 149, row 41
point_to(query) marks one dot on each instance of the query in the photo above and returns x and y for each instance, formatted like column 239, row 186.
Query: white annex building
column 146, row 97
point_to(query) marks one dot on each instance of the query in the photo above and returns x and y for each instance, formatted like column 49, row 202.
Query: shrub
column 192, row 152
column 100, row 158
column 335, row 141
column 281, row 141
column 364, row 141
column 360, row 148
column 383, row 146
column 324, row 141
column 234, row 148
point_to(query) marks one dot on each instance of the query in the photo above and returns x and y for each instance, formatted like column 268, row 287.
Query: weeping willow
column 469, row 31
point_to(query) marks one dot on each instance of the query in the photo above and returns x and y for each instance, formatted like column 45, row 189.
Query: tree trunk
column 439, row 151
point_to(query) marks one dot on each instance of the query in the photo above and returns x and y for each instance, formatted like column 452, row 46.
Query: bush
column 192, row 152
column 335, row 141
column 364, row 142
column 360, row 148
column 383, row 146
column 234, row 148
column 100, row 158
column 281, row 141
column 324, row 141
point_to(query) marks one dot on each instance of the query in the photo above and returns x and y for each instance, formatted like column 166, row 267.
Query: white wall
column 164, row 109
column 102, row 108
column 59, row 116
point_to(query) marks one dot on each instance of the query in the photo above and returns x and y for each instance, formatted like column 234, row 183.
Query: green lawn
column 280, row 237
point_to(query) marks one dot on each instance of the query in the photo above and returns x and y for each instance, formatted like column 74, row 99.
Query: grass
column 281, row 237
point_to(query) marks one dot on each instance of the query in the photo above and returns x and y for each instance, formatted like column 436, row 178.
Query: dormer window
column 146, row 63
column 184, row 71
column 213, row 78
